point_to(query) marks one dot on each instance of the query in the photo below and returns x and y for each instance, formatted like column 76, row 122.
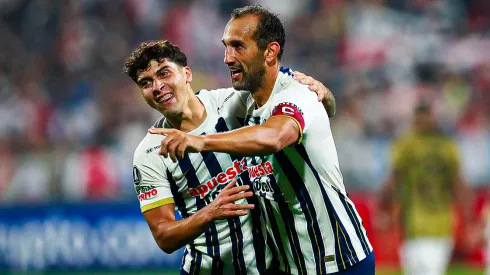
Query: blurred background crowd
column 70, row 119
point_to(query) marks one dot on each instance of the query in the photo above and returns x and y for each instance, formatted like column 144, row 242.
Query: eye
column 145, row 83
column 164, row 73
column 238, row 46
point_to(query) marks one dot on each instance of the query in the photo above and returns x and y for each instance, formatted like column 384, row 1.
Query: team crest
column 136, row 175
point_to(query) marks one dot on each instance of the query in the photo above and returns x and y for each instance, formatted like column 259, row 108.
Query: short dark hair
column 159, row 50
column 269, row 28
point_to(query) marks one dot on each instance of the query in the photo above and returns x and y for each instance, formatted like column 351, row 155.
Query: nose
column 229, row 56
column 157, row 87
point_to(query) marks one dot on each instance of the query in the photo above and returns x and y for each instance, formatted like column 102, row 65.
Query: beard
column 252, row 78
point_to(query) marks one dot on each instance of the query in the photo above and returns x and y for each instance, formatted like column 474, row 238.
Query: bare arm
column 171, row 235
column 259, row 140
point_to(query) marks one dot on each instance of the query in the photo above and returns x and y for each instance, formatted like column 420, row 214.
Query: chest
column 429, row 155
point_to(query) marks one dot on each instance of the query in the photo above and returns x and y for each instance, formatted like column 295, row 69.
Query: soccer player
column 220, row 234
column 425, row 181
column 296, row 175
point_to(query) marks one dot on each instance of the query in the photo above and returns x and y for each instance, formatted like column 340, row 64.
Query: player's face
column 163, row 85
column 242, row 55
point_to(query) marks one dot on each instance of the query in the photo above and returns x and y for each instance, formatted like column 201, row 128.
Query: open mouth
column 236, row 73
column 166, row 98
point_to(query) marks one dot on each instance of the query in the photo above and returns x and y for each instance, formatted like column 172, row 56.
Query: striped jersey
column 233, row 246
column 312, row 220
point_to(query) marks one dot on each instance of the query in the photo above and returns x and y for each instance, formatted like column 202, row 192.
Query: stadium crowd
column 70, row 119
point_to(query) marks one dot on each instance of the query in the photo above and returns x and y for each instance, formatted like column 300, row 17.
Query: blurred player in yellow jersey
column 425, row 182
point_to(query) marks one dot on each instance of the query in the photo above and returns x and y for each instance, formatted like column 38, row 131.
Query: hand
column 223, row 206
column 176, row 143
column 314, row 85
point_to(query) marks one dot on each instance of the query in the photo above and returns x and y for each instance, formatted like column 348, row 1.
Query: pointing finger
column 159, row 131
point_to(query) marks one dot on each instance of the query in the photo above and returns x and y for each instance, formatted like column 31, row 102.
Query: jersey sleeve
column 299, row 104
column 150, row 181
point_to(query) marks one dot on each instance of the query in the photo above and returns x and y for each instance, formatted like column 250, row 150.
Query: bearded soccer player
column 220, row 235
column 314, row 224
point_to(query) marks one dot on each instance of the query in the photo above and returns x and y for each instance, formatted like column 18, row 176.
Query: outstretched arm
column 259, row 140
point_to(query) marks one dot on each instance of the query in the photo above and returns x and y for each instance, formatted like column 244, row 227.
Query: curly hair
column 269, row 28
column 160, row 50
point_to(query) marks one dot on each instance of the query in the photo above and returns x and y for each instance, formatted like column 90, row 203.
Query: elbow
column 268, row 148
column 270, row 144
column 166, row 246
column 165, row 242
column 168, row 250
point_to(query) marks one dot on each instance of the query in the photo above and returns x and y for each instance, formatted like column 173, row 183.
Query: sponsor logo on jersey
column 149, row 150
column 258, row 174
column 221, row 179
column 261, row 169
column 260, row 177
column 148, row 194
column 136, row 175
column 143, row 189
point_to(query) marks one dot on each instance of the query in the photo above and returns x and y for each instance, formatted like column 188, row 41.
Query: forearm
column 247, row 141
column 330, row 105
column 172, row 235
column 259, row 140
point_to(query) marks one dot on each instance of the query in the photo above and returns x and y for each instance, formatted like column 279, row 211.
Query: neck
column 192, row 116
column 262, row 94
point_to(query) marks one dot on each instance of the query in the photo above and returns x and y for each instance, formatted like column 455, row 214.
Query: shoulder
column 288, row 84
column 294, row 94
column 146, row 152
column 216, row 94
column 228, row 98
column 293, row 91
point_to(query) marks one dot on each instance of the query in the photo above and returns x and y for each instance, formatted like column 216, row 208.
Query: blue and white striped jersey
column 233, row 246
column 312, row 220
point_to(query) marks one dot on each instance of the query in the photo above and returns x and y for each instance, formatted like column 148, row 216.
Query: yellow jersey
column 426, row 167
